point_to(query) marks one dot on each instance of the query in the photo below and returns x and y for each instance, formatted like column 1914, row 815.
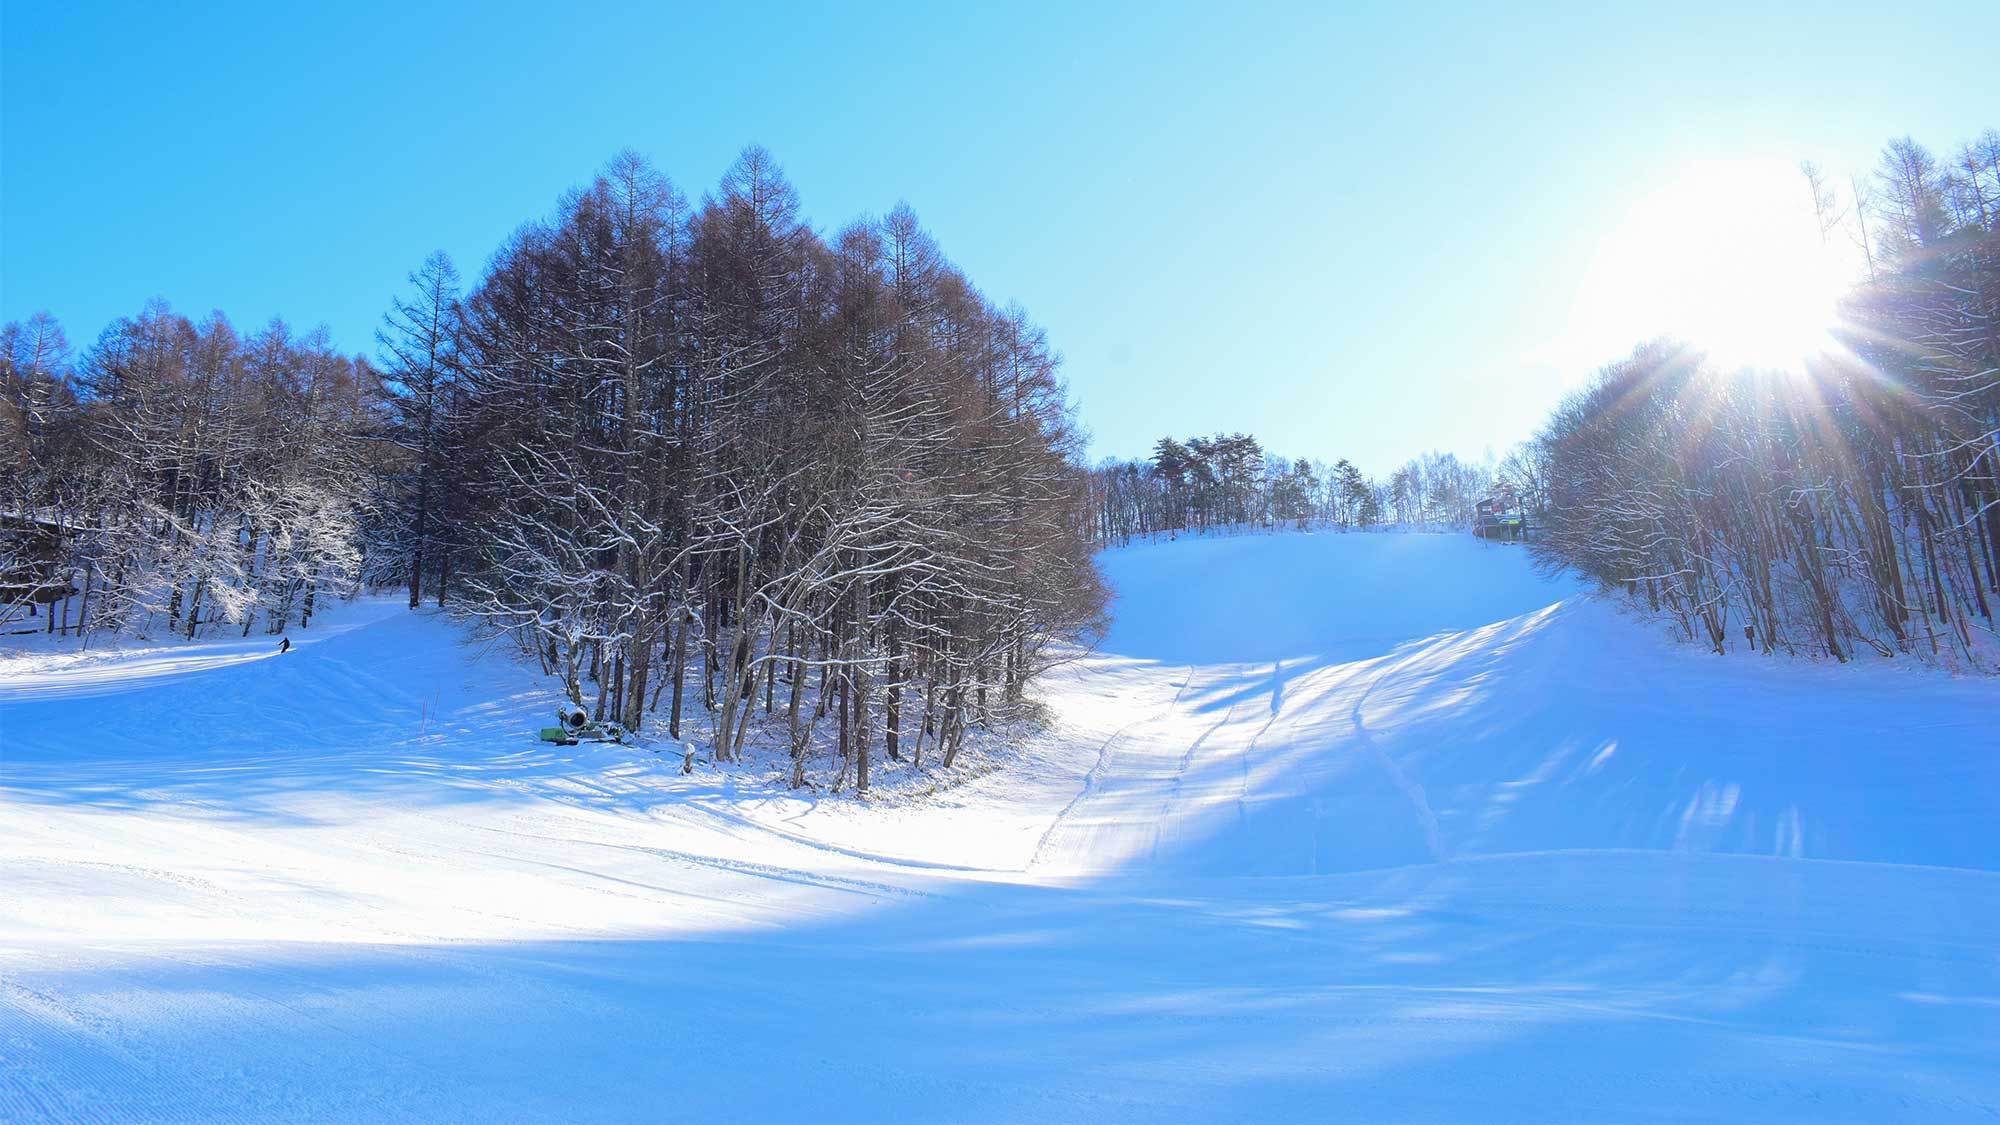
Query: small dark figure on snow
column 285, row 644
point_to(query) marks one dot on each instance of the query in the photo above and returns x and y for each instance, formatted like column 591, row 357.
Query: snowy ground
column 1363, row 827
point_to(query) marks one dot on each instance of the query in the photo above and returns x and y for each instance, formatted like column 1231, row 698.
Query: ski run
column 1329, row 827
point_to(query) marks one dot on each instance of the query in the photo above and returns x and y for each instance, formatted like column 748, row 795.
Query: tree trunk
column 860, row 677
column 679, row 671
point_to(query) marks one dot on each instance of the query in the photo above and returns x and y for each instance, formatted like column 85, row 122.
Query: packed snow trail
column 1363, row 827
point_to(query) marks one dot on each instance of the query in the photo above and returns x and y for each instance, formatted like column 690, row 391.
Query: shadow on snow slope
column 381, row 704
column 1390, row 699
column 1439, row 993
column 1541, row 867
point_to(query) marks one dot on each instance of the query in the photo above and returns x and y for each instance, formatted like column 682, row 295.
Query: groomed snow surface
column 1362, row 827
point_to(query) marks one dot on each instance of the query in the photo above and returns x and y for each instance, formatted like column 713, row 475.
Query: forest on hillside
column 1849, row 507
column 664, row 446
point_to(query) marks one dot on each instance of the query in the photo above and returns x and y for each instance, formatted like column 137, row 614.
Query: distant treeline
column 1854, row 507
column 659, row 444
column 1203, row 484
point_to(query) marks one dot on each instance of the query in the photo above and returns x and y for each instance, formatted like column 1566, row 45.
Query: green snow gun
column 577, row 727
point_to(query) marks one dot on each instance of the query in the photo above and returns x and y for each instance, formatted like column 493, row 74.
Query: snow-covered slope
column 1331, row 827
column 1379, row 700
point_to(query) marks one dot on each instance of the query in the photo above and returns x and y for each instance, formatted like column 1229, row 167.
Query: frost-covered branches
column 189, row 478
column 705, row 447
column 1851, row 507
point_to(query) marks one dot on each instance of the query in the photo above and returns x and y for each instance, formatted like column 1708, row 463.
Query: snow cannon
column 576, row 726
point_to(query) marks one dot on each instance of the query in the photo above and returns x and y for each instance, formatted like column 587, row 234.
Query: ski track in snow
column 1380, row 827
column 1426, row 816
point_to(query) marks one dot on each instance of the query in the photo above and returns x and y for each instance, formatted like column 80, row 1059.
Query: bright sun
column 1727, row 256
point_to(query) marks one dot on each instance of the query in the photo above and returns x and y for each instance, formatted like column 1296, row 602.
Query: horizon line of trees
column 1853, row 507
column 1230, row 480
column 665, row 446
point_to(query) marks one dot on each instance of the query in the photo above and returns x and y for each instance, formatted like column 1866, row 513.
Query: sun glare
column 1727, row 256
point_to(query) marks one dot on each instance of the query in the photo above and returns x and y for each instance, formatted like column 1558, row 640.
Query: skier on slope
column 284, row 645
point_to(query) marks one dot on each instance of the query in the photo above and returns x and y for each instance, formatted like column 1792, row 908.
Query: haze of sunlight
column 1728, row 256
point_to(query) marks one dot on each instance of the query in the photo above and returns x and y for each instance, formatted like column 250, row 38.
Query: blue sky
column 1357, row 230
